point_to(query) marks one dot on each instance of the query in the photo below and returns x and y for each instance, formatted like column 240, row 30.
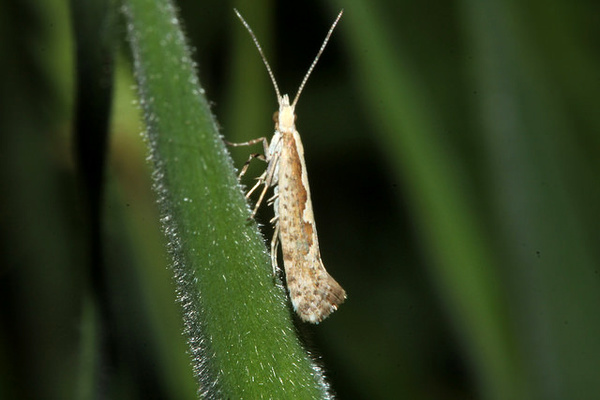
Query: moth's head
column 285, row 118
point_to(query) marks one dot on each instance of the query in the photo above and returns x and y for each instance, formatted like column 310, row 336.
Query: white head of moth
column 313, row 292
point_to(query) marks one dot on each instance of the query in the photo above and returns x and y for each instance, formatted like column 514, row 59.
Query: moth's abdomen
column 314, row 297
column 313, row 292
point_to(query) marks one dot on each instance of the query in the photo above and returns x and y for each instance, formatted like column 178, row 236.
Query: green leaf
column 242, row 340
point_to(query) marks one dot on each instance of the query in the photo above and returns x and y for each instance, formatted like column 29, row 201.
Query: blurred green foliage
column 452, row 149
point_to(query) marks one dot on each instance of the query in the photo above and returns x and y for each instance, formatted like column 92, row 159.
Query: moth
column 313, row 292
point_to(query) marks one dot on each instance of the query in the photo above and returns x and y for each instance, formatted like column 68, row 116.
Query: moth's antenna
column 262, row 55
column 312, row 66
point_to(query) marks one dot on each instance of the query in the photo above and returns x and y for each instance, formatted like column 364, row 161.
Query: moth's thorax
column 286, row 117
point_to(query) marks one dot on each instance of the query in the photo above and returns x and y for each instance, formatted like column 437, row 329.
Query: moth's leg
column 274, row 246
column 260, row 181
column 268, row 178
column 263, row 157
column 275, row 221
column 262, row 195
column 252, row 142
column 271, row 177
column 271, row 201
